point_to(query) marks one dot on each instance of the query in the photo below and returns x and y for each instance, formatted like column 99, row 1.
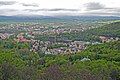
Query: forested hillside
column 97, row 62
column 110, row 30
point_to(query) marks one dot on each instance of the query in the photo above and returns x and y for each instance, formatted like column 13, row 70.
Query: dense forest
column 97, row 62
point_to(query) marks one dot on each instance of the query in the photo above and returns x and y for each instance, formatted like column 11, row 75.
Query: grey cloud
column 7, row 3
column 94, row 6
column 113, row 9
column 7, row 11
column 97, row 6
column 55, row 9
column 34, row 10
column 33, row 5
column 103, row 13
column 110, row 10
column 61, row 9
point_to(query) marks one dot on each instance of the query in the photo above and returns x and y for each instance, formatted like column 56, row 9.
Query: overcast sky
column 60, row 7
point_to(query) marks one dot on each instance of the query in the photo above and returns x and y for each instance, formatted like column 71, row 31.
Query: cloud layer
column 66, row 7
column 27, row 5
column 94, row 6
column 55, row 9
column 7, row 3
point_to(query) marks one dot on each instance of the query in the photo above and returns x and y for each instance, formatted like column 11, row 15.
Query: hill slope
column 111, row 30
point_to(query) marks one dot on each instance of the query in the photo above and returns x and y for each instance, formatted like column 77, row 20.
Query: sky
column 60, row 7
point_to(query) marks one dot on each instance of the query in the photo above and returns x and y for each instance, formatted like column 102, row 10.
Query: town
column 29, row 33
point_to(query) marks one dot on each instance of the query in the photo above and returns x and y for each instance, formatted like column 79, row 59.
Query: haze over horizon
column 60, row 7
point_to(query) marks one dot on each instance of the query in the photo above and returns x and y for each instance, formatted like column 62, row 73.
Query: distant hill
column 89, row 18
column 22, row 18
column 55, row 18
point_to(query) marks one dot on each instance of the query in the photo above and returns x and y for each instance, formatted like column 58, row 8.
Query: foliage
column 21, row 64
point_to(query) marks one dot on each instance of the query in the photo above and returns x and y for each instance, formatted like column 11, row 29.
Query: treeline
column 97, row 62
